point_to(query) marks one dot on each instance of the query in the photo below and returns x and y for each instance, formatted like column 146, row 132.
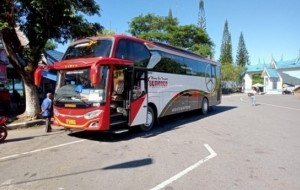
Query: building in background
column 276, row 75
column 11, row 81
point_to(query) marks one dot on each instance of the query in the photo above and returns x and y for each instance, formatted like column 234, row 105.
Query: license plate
column 71, row 121
column 70, row 105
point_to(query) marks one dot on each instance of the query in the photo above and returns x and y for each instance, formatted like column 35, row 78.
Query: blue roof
column 272, row 73
column 295, row 63
column 281, row 65
column 53, row 56
column 255, row 68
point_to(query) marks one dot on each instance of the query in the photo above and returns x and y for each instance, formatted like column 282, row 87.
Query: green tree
column 226, row 47
column 106, row 32
column 242, row 57
column 152, row 27
column 50, row 45
column 40, row 21
column 256, row 78
column 193, row 38
column 167, row 29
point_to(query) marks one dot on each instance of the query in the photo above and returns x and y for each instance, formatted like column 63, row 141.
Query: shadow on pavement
column 166, row 124
column 130, row 164
column 17, row 139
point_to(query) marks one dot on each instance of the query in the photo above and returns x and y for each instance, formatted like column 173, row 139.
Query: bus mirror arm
column 154, row 59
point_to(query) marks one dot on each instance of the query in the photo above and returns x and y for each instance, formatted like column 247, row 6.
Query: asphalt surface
column 236, row 146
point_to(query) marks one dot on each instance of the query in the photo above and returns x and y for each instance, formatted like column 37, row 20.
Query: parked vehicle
column 117, row 82
column 288, row 90
column 3, row 128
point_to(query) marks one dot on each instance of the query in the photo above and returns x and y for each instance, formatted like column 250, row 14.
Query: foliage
column 40, row 21
column 232, row 77
column 242, row 57
column 231, row 72
column 226, row 47
column 256, row 78
column 167, row 30
column 152, row 27
column 106, row 32
column 50, row 45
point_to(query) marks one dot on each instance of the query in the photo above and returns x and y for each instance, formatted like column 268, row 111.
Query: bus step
column 119, row 131
column 118, row 122
column 116, row 115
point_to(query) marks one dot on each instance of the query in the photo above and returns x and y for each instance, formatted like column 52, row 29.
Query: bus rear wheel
column 150, row 120
column 204, row 106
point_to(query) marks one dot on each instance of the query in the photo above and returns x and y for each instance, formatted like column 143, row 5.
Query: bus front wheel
column 204, row 106
column 150, row 120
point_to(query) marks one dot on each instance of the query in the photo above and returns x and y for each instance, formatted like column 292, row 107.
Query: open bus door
column 138, row 97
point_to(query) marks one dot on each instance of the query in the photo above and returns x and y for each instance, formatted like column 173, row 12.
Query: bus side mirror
column 154, row 59
column 38, row 76
column 95, row 78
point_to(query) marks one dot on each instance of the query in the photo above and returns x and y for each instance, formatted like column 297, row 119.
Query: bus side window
column 139, row 86
column 122, row 52
column 137, row 91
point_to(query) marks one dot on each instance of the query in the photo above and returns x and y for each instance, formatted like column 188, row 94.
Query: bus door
column 138, row 97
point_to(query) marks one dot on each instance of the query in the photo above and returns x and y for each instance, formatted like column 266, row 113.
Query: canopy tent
column 258, row 85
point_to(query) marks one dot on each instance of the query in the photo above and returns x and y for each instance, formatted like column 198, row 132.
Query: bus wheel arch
column 204, row 106
column 151, row 118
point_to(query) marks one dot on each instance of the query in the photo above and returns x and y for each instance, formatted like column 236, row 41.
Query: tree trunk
column 32, row 101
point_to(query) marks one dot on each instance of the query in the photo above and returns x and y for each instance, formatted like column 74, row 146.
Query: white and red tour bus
column 116, row 82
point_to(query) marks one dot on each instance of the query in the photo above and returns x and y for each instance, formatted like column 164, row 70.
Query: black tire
column 204, row 106
column 150, row 121
column 3, row 133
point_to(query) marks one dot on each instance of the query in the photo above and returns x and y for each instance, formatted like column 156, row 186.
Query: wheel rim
column 204, row 106
column 147, row 126
column 149, row 119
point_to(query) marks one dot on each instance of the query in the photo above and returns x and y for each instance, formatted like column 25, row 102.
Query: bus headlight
column 56, row 113
column 92, row 114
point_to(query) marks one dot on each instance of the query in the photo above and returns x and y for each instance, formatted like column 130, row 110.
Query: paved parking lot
column 237, row 146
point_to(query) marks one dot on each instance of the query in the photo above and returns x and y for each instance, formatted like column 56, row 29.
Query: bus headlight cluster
column 56, row 113
column 92, row 114
column 96, row 104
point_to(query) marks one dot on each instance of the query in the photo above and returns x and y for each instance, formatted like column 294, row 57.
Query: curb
column 26, row 124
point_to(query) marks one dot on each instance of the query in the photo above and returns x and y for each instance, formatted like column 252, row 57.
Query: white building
column 275, row 75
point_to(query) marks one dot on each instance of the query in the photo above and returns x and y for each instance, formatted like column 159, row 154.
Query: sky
column 271, row 28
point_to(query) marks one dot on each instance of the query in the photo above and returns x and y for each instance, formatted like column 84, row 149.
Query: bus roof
column 115, row 36
column 151, row 45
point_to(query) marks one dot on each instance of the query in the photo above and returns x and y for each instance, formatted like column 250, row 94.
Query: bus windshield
column 75, row 86
column 100, row 48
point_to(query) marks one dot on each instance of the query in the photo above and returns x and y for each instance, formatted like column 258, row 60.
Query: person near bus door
column 47, row 111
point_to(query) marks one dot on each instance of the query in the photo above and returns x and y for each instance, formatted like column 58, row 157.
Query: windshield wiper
column 85, row 102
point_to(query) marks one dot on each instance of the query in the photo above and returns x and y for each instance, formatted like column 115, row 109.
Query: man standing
column 47, row 111
column 252, row 96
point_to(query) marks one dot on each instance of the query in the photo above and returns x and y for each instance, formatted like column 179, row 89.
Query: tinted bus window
column 202, row 68
column 134, row 51
column 89, row 49
column 122, row 50
column 139, row 53
column 170, row 64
